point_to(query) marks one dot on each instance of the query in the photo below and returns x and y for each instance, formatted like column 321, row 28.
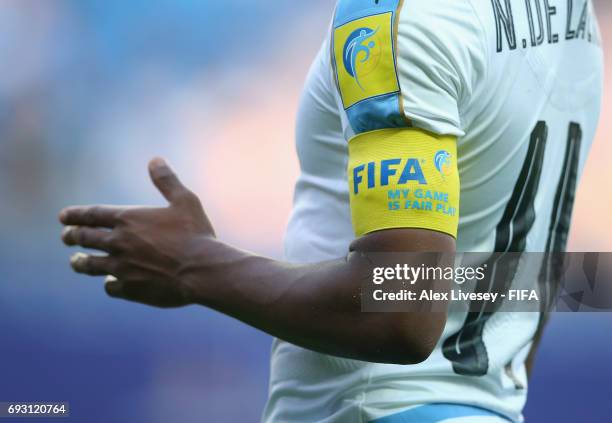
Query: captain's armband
column 403, row 178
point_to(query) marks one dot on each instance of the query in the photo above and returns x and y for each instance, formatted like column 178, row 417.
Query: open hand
column 148, row 248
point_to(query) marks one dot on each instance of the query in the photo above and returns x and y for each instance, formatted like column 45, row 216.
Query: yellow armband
column 403, row 178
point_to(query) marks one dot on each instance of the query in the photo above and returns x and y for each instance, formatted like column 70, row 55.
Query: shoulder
column 452, row 24
column 441, row 58
column 399, row 63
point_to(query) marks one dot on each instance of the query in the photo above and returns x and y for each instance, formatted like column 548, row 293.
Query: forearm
column 315, row 306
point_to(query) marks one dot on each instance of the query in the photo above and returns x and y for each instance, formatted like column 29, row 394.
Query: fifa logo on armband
column 375, row 174
column 443, row 162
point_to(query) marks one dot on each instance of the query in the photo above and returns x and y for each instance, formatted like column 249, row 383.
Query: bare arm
column 170, row 257
column 537, row 339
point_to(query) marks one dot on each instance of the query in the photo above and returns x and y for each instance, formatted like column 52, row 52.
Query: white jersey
column 519, row 83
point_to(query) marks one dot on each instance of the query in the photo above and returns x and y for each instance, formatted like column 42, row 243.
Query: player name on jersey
column 542, row 23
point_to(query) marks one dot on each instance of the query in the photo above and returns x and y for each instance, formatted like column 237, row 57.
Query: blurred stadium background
column 89, row 91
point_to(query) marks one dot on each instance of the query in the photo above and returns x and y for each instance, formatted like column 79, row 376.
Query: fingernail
column 76, row 258
column 113, row 288
column 157, row 162
column 65, row 233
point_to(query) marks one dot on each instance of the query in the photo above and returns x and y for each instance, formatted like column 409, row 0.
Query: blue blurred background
column 89, row 91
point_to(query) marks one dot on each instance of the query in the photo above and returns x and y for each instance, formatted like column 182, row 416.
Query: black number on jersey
column 466, row 349
column 560, row 220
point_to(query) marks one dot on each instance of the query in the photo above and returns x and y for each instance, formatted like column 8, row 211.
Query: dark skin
column 537, row 339
column 170, row 257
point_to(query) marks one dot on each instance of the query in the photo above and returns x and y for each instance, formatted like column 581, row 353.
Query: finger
column 166, row 181
column 87, row 237
column 92, row 265
column 131, row 291
column 99, row 216
column 113, row 287
column 144, row 292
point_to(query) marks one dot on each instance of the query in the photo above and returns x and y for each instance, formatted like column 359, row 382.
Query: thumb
column 166, row 181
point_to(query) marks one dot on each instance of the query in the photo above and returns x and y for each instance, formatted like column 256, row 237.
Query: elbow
column 413, row 352
column 412, row 344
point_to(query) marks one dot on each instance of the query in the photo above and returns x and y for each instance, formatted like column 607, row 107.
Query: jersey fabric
column 515, row 88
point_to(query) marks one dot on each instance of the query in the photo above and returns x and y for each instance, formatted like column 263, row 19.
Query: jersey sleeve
column 404, row 72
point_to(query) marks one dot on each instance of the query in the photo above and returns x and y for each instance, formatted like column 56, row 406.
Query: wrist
column 204, row 269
